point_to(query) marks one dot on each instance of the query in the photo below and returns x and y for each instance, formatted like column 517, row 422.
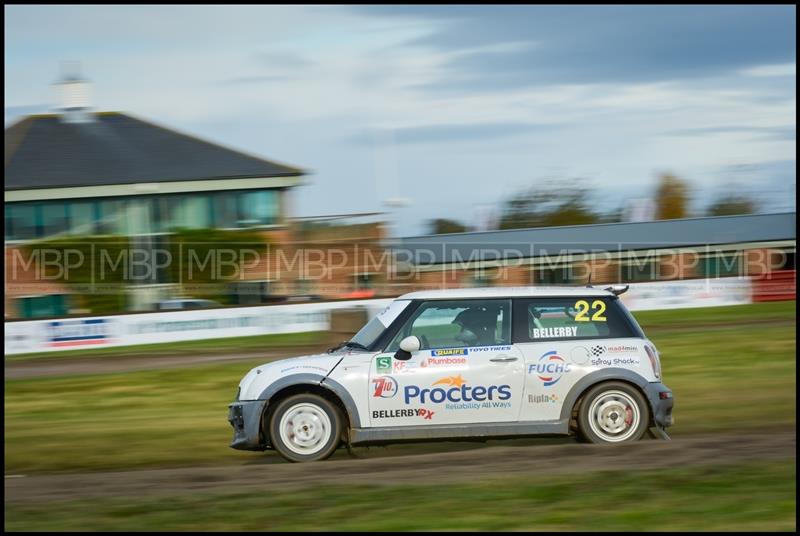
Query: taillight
column 652, row 353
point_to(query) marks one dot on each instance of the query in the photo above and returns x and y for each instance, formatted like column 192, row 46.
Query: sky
column 444, row 111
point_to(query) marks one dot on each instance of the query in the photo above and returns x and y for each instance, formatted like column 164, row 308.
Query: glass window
column 161, row 212
column 639, row 271
column 541, row 319
column 302, row 285
column 370, row 333
column 44, row 306
column 139, row 216
column 553, row 276
column 722, row 265
column 113, row 219
column 9, row 223
column 258, row 208
column 224, row 210
column 364, row 281
column 190, row 212
column 197, row 212
column 458, row 324
column 82, row 217
column 482, row 277
column 22, row 218
column 54, row 218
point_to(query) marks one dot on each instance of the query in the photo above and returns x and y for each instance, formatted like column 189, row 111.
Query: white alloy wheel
column 613, row 412
column 614, row 416
column 305, row 428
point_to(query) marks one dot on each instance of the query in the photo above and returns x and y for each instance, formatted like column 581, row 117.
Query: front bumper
column 661, row 403
column 245, row 418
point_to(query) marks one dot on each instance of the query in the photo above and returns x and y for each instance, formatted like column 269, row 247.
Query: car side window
column 458, row 324
column 590, row 317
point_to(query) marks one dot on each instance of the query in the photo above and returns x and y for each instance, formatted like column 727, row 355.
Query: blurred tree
column 206, row 260
column 445, row 226
column 672, row 198
column 549, row 205
column 731, row 205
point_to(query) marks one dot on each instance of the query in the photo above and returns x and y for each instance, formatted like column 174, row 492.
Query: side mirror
column 408, row 346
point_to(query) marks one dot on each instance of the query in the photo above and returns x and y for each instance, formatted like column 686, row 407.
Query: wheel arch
column 575, row 394
column 315, row 384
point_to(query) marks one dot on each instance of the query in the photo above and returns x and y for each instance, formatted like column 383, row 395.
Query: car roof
column 504, row 292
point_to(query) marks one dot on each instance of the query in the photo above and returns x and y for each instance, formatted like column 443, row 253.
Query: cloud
column 450, row 133
column 772, row 133
column 396, row 101
column 602, row 44
column 256, row 79
column 782, row 69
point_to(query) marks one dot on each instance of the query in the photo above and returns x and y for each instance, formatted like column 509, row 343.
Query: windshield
column 367, row 335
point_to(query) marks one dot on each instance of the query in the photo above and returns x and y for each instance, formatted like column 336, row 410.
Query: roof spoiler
column 617, row 289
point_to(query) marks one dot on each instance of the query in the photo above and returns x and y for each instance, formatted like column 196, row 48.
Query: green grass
column 725, row 378
column 204, row 346
column 686, row 318
column 742, row 497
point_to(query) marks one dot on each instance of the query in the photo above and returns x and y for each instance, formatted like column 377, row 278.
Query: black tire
column 321, row 438
column 621, row 401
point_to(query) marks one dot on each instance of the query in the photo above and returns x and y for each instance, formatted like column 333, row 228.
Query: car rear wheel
column 305, row 428
column 613, row 412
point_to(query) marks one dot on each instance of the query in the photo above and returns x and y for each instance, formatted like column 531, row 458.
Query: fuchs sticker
column 550, row 368
column 384, row 387
column 449, row 352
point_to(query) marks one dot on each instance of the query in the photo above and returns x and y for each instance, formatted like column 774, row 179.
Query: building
column 78, row 173
column 712, row 247
column 90, row 178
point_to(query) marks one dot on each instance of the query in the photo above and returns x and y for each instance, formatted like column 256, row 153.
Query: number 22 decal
column 598, row 306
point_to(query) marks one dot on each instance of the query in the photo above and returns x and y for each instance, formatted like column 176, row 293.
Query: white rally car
column 464, row 364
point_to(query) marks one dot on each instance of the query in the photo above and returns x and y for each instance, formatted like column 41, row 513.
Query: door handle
column 503, row 359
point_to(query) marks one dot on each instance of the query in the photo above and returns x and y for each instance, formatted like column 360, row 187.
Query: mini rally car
column 464, row 364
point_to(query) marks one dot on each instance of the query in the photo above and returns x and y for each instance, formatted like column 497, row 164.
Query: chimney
column 72, row 96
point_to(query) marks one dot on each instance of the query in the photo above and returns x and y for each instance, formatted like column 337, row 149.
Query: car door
column 466, row 370
column 562, row 340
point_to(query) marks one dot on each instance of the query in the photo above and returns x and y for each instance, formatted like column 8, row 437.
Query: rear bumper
column 661, row 403
column 245, row 418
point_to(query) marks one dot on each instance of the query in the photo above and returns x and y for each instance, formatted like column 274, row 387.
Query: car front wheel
column 613, row 412
column 305, row 428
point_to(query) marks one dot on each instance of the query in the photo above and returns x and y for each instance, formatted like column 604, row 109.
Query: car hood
column 259, row 378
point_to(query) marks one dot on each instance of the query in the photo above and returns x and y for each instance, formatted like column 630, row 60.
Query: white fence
column 146, row 328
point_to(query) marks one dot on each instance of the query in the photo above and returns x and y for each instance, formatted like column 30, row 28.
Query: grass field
column 740, row 497
column 731, row 368
column 738, row 374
